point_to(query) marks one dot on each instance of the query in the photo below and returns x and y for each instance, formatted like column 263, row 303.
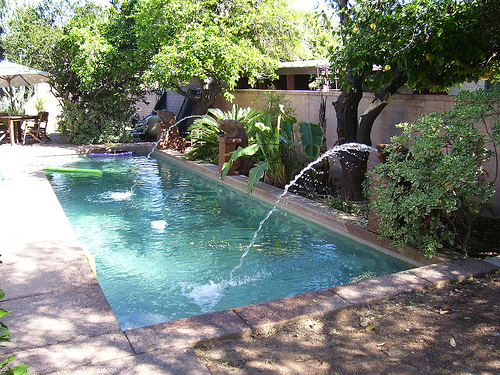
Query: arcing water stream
column 127, row 194
column 333, row 151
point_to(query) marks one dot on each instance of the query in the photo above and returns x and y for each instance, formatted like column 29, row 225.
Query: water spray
column 155, row 146
column 347, row 147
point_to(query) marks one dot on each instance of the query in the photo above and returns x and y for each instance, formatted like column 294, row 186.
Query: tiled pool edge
column 306, row 209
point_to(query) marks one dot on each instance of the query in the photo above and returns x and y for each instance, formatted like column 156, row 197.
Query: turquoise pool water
column 154, row 275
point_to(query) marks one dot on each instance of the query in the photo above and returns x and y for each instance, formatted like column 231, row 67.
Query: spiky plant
column 205, row 130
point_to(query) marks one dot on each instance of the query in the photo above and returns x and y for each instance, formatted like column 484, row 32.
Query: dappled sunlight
column 450, row 330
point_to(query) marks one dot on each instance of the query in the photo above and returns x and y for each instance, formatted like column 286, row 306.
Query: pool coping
column 62, row 324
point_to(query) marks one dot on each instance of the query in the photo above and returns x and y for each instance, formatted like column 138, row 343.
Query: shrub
column 430, row 195
column 276, row 151
column 95, row 122
column 39, row 103
column 204, row 131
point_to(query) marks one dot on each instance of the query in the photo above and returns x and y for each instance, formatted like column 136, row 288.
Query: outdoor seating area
column 16, row 126
column 22, row 129
column 35, row 129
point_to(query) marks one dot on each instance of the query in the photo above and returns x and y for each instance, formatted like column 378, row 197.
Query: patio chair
column 36, row 129
column 31, row 131
column 4, row 128
column 43, row 119
column 4, row 132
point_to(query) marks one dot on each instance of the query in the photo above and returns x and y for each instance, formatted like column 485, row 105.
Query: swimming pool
column 152, row 275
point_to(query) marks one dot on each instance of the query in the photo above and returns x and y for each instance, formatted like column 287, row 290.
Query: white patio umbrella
column 12, row 75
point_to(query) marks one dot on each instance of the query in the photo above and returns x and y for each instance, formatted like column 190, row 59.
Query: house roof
column 301, row 67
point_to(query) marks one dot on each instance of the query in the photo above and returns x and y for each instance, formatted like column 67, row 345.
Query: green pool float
column 73, row 170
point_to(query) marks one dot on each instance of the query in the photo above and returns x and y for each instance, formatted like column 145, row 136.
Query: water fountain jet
column 155, row 145
column 347, row 147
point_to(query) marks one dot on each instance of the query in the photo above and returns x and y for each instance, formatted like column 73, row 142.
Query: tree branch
column 381, row 100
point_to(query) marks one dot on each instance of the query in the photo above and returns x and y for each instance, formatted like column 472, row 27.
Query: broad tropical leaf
column 247, row 151
column 256, row 173
column 312, row 138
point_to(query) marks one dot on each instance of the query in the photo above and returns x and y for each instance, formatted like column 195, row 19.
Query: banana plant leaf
column 256, row 174
column 247, row 151
column 312, row 138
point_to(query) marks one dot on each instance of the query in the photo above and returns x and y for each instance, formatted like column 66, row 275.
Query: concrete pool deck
column 61, row 322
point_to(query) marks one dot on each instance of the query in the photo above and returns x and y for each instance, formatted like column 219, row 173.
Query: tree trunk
column 380, row 101
column 209, row 91
column 210, row 88
column 349, row 129
column 206, row 100
column 346, row 110
column 354, row 166
column 355, row 163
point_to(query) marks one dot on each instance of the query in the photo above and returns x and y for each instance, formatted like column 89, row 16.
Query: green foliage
column 205, row 130
column 481, row 107
column 102, row 54
column 312, row 138
column 433, row 192
column 91, row 52
column 39, row 103
column 214, row 43
column 97, row 122
column 256, row 173
column 275, row 104
column 18, row 370
column 13, row 100
column 239, row 153
column 317, row 37
column 5, row 336
column 270, row 137
column 422, row 44
column 4, row 332
column 274, row 143
column 275, row 149
column 267, row 148
column 272, row 146
column 422, row 39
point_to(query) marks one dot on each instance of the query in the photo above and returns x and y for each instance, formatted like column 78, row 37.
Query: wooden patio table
column 14, row 122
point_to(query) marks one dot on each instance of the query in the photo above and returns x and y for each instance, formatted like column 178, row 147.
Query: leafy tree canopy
column 90, row 50
column 434, row 43
column 387, row 44
column 100, row 56
column 216, row 42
